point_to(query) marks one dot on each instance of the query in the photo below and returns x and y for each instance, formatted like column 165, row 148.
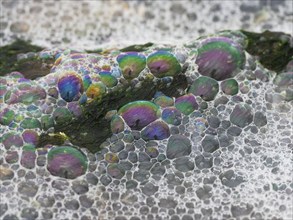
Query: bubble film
column 176, row 144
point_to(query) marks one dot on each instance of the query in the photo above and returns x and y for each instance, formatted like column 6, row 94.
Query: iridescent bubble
column 205, row 87
column 163, row 101
column 200, row 125
column 28, row 156
column 11, row 139
column 284, row 83
column 111, row 158
column 115, row 170
column 186, row 104
column 62, row 115
column 157, row 130
column 163, row 63
column 131, row 64
column 117, row 124
column 6, row 116
column 86, row 81
column 29, row 123
column 67, row 162
column 25, row 93
column 30, row 137
column 220, row 58
column 53, row 92
column 172, row 116
column 96, row 90
column 70, row 86
column 47, row 122
column 230, row 87
column 109, row 80
column 138, row 114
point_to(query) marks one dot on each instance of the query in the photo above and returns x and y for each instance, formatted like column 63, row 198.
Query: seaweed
column 273, row 49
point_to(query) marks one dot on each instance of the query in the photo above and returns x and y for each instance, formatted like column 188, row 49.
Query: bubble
column 117, row 124
column 108, row 79
column 241, row 115
column 230, row 87
column 220, row 58
column 186, row 104
column 62, row 115
column 11, row 139
column 29, row 123
column 138, row 114
column 157, row 130
column 111, row 158
column 86, row 81
column 30, row 137
column 205, row 87
column 25, row 93
column 163, row 63
column 164, row 101
column 171, row 115
column 28, row 156
column 67, row 162
column 6, row 116
column 131, row 64
column 70, row 86
column 96, row 90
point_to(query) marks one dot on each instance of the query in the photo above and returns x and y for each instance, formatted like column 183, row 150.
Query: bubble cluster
column 167, row 157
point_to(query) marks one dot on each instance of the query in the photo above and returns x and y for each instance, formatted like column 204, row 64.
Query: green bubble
column 29, row 123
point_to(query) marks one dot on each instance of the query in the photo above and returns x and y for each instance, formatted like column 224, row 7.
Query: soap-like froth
column 138, row 114
column 186, row 104
column 220, row 58
column 157, row 130
column 205, row 87
column 163, row 63
column 70, row 86
column 67, row 162
column 131, row 64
